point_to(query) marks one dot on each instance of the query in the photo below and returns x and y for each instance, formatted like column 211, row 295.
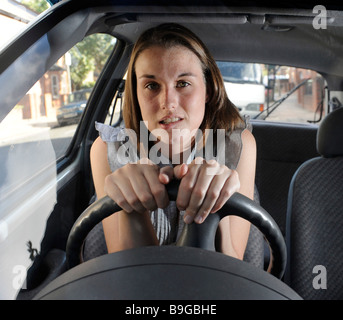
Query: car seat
column 314, row 228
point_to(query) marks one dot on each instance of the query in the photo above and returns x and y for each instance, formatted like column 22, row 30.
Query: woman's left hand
column 204, row 188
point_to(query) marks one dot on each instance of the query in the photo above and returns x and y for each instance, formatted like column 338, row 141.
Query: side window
column 54, row 106
column 274, row 93
column 33, row 136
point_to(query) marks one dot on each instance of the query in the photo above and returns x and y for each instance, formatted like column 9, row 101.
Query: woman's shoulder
column 244, row 124
column 234, row 141
column 109, row 133
column 119, row 151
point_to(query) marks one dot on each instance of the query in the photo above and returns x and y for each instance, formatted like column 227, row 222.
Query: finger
column 132, row 198
column 166, row 174
column 186, row 188
column 141, row 183
column 180, row 171
column 201, row 201
column 124, row 196
column 211, row 198
column 155, row 195
column 157, row 188
column 232, row 185
column 117, row 196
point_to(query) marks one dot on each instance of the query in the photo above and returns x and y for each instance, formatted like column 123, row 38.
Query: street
column 25, row 153
column 291, row 111
column 60, row 138
column 15, row 130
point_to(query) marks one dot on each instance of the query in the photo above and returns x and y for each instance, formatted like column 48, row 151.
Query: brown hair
column 220, row 113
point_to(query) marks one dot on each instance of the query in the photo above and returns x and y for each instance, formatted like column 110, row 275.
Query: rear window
column 241, row 72
column 275, row 93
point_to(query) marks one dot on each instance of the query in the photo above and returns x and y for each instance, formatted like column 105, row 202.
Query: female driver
column 173, row 85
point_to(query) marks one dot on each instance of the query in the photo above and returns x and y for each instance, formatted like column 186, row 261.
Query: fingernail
column 166, row 178
column 183, row 169
column 198, row 219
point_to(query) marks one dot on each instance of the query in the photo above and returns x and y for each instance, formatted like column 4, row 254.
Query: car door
column 45, row 175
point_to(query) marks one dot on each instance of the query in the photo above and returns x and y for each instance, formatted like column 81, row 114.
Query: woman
column 173, row 85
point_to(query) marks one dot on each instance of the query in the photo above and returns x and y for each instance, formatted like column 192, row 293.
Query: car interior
column 299, row 165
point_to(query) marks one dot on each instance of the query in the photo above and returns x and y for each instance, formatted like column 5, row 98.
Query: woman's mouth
column 170, row 120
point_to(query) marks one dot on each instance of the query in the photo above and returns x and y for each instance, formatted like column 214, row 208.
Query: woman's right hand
column 139, row 186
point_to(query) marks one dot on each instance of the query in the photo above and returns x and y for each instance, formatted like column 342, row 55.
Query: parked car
column 73, row 110
column 44, row 198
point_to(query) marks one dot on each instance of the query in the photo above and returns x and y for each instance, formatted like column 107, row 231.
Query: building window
column 54, row 87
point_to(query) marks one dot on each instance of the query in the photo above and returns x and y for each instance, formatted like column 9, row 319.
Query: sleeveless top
column 168, row 223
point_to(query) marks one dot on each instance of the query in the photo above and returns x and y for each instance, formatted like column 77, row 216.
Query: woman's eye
column 182, row 84
column 151, row 86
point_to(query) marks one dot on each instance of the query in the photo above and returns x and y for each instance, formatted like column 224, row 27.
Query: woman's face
column 171, row 92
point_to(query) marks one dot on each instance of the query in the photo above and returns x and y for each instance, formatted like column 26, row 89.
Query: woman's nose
column 168, row 98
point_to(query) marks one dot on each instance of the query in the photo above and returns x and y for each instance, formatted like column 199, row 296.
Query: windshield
column 16, row 15
column 238, row 72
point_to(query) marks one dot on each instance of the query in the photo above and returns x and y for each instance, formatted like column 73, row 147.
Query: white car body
column 244, row 87
column 247, row 97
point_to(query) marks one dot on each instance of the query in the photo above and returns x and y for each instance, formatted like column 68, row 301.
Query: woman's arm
column 233, row 231
column 206, row 186
column 122, row 230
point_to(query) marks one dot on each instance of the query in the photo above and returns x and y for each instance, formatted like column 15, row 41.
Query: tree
column 36, row 5
column 89, row 55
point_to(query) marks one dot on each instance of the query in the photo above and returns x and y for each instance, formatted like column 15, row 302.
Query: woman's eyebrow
column 187, row 74
column 149, row 76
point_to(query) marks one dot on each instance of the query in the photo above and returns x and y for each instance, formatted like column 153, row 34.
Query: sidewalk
column 291, row 111
column 13, row 128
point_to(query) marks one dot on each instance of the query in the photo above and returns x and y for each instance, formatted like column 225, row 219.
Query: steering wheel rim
column 193, row 235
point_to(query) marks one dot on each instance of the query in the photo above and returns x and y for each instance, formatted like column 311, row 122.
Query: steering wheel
column 193, row 235
column 176, row 265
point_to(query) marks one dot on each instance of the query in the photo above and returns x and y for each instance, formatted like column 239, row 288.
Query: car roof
column 282, row 34
column 254, row 34
column 238, row 30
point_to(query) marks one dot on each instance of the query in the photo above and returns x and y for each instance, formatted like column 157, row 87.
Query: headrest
column 330, row 135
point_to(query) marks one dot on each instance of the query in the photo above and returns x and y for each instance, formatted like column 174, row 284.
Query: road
column 25, row 151
column 291, row 111
column 61, row 137
column 27, row 131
